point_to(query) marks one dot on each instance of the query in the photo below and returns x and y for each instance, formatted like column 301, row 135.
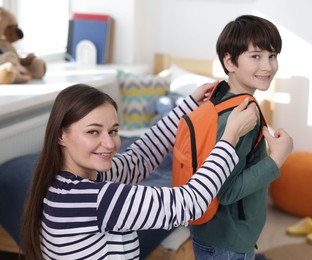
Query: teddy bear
column 8, row 73
column 22, row 69
column 160, row 106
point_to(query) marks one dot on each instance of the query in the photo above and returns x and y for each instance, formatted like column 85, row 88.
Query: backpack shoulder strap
column 223, row 105
column 218, row 92
column 228, row 104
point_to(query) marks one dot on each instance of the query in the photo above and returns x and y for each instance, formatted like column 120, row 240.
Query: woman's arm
column 146, row 153
column 142, row 207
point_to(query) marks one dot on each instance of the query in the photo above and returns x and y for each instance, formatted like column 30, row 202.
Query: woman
column 83, row 202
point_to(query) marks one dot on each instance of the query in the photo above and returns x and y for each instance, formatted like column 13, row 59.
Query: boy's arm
column 250, row 174
column 248, row 181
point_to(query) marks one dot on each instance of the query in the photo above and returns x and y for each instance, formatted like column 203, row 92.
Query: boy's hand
column 280, row 145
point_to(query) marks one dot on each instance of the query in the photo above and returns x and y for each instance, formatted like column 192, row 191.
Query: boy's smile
column 255, row 69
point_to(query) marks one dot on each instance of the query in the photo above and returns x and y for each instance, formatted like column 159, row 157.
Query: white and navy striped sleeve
column 134, row 207
column 144, row 155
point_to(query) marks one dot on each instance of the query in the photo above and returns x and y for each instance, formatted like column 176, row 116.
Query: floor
column 272, row 235
column 274, row 232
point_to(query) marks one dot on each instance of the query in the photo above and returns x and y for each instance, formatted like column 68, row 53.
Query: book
column 83, row 16
column 69, row 50
column 94, row 28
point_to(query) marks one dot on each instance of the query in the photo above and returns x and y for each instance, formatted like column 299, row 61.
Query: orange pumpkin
column 292, row 192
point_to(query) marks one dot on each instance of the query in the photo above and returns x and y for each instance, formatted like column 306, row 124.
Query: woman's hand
column 280, row 145
column 202, row 93
column 242, row 119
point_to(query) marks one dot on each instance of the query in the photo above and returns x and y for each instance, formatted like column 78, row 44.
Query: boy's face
column 255, row 69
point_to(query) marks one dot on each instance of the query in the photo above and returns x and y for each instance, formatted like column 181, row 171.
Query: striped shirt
column 84, row 219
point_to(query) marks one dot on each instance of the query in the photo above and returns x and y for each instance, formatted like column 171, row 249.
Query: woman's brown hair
column 71, row 104
column 246, row 29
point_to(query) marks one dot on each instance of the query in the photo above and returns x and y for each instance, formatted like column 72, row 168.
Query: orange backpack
column 196, row 137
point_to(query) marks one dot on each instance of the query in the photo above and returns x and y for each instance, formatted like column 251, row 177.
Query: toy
column 160, row 106
column 23, row 69
column 8, row 73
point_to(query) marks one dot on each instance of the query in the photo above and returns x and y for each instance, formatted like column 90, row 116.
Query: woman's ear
column 228, row 62
column 60, row 139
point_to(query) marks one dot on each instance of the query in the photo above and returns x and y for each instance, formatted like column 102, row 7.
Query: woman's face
column 89, row 144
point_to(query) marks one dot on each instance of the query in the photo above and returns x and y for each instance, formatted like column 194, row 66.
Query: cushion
column 184, row 82
column 137, row 90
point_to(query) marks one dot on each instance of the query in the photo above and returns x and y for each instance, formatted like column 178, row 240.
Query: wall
column 292, row 116
column 124, row 14
column 190, row 28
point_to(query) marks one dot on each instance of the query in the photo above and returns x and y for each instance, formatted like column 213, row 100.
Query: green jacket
column 248, row 182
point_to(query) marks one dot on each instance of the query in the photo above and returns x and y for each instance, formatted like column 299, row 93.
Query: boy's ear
column 228, row 62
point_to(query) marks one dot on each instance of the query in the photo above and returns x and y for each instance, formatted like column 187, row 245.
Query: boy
column 247, row 49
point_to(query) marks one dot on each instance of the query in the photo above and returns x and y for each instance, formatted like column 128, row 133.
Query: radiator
column 22, row 137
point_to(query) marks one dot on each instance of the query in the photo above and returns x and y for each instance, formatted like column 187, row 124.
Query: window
column 44, row 24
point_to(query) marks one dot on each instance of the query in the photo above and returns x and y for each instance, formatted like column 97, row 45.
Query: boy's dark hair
column 245, row 29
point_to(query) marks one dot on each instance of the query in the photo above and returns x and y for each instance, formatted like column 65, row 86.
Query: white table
column 21, row 98
column 24, row 108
